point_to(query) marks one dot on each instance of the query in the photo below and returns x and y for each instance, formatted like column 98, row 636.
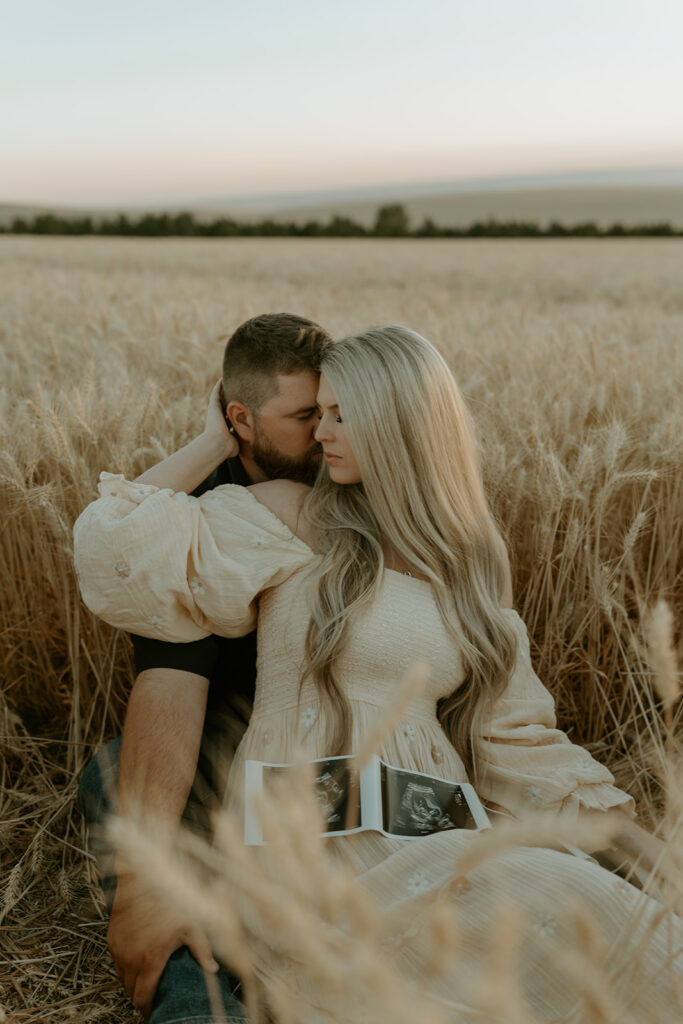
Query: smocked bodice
column 402, row 626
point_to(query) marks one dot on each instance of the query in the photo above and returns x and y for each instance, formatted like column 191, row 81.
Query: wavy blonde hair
column 422, row 493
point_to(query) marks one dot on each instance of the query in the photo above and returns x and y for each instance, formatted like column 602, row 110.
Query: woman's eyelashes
column 337, row 417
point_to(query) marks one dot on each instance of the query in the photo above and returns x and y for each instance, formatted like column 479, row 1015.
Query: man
column 195, row 698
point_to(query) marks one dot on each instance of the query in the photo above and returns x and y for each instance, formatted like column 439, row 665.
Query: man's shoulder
column 229, row 472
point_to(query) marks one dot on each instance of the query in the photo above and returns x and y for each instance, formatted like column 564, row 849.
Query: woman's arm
column 634, row 844
column 190, row 466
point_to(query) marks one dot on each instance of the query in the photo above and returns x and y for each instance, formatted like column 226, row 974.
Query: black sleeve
column 212, row 480
column 199, row 656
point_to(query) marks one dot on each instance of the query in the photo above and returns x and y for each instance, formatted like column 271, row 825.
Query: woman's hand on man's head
column 187, row 468
column 216, row 428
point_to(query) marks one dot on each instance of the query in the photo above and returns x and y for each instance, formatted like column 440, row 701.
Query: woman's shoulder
column 285, row 499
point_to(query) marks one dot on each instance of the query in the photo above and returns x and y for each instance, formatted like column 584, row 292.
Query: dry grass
column 569, row 354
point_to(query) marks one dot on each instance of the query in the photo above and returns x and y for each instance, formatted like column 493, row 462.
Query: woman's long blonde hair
column 422, row 493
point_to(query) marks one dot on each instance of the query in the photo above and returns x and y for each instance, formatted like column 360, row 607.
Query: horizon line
column 671, row 175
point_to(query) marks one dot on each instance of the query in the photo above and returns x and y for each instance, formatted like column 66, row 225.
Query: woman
column 391, row 558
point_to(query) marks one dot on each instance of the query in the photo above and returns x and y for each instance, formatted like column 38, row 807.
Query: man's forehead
column 298, row 389
column 290, row 383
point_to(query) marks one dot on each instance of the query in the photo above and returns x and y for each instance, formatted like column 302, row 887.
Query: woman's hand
column 636, row 852
column 638, row 845
column 187, row 468
column 216, row 428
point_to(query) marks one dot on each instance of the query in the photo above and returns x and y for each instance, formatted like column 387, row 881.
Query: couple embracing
column 334, row 502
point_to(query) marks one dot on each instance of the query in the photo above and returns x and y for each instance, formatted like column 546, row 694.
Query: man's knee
column 182, row 995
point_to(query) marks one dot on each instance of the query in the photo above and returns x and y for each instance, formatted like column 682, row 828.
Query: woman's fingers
column 216, row 425
column 216, row 392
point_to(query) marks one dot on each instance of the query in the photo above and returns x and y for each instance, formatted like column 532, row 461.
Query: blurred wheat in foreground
column 570, row 356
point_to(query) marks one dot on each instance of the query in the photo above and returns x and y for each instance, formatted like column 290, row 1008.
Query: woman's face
column 331, row 434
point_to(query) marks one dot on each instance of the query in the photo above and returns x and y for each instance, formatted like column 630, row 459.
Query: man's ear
column 242, row 420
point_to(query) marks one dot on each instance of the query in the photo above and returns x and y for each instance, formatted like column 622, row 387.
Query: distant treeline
column 390, row 222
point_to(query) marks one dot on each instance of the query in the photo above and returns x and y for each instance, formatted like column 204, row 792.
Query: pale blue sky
column 165, row 101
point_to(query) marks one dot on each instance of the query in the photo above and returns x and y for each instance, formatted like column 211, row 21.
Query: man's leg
column 181, row 994
column 97, row 800
column 182, row 997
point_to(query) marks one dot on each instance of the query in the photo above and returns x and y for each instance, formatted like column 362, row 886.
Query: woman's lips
column 331, row 458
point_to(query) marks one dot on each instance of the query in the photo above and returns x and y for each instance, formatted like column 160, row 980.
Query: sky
column 153, row 101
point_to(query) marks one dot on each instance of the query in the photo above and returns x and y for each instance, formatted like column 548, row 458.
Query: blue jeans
column 181, row 996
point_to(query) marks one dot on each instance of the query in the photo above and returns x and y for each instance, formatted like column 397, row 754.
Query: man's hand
column 143, row 932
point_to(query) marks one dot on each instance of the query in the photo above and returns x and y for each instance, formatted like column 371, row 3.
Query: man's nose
column 315, row 427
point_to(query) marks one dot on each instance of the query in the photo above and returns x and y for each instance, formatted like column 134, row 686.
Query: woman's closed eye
column 336, row 416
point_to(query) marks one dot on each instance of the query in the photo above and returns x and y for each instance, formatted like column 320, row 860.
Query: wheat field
column 569, row 354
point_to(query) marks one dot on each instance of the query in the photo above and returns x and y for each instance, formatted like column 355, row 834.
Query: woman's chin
column 341, row 476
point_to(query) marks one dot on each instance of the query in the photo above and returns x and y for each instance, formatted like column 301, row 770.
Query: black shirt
column 229, row 665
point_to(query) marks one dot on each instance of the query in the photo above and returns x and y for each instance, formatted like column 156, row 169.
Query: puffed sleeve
column 528, row 764
column 174, row 567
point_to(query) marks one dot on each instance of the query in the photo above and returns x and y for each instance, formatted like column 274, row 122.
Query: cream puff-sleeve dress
column 175, row 567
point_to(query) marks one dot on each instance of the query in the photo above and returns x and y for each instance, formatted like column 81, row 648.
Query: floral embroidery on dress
column 409, row 733
column 534, row 795
column 418, row 883
column 437, row 755
column 155, row 622
column 308, row 717
column 267, row 737
column 197, row 587
column 461, row 886
column 259, row 540
column 587, row 769
column 122, row 569
column 544, row 924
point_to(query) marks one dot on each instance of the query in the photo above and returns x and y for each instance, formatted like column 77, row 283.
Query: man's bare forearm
column 160, row 748
column 159, row 753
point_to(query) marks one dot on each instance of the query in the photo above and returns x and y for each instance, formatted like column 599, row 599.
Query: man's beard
column 277, row 466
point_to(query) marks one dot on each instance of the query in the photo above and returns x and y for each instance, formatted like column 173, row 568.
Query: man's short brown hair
column 265, row 346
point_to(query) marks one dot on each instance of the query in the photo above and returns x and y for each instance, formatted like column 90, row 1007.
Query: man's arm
column 159, row 752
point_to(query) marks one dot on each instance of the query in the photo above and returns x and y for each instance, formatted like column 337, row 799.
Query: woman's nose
column 321, row 433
